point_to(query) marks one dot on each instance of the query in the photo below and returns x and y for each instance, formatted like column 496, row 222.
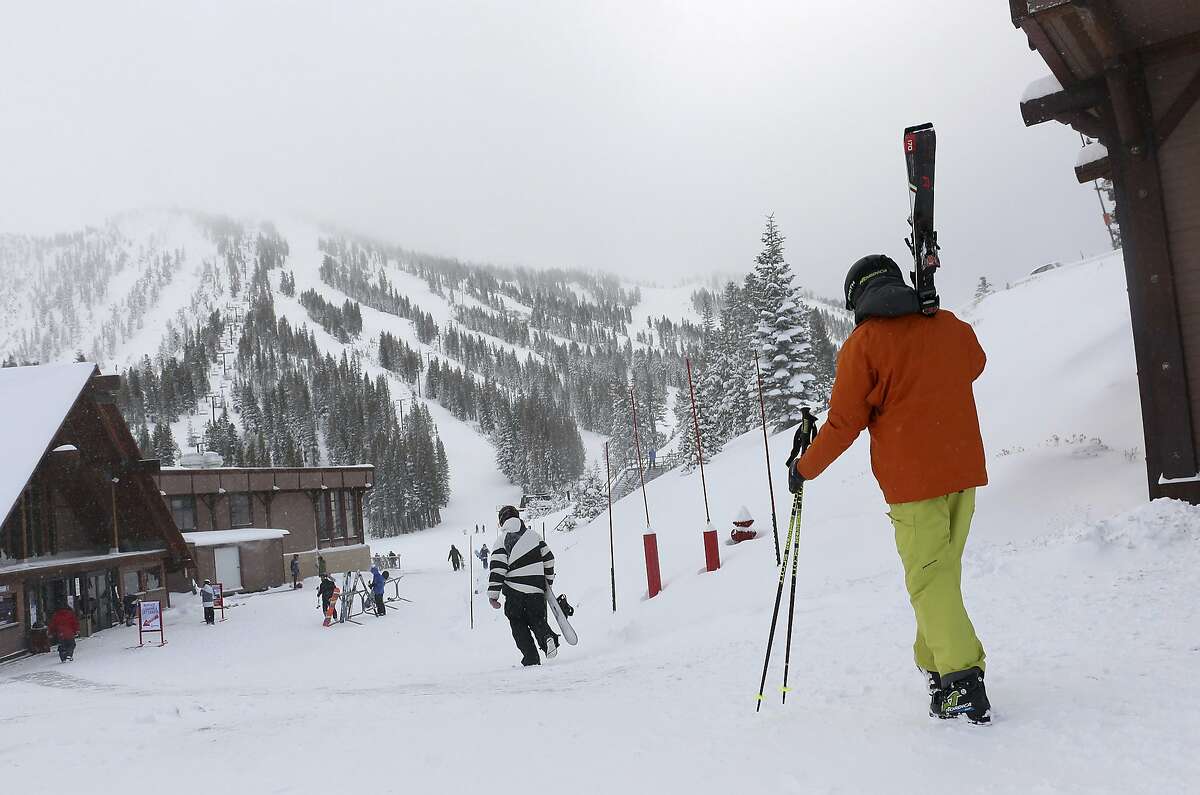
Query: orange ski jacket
column 908, row 380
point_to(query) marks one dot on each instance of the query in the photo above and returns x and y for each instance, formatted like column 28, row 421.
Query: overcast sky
column 646, row 138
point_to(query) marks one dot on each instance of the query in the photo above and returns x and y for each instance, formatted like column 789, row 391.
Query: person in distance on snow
column 295, row 572
column 64, row 625
column 325, row 591
column 208, row 598
column 522, row 568
column 378, row 581
column 455, row 558
column 907, row 378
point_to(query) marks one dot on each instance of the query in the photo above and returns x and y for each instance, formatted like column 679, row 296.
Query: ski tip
column 918, row 127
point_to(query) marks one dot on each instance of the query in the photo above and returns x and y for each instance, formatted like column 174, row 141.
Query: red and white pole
column 712, row 553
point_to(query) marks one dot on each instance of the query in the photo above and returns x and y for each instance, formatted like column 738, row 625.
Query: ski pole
column 804, row 435
column 778, row 597
column 787, row 654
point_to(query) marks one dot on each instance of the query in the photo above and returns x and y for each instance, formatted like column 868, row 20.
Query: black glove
column 795, row 479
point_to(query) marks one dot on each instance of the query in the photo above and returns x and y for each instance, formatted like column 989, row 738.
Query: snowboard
column 568, row 632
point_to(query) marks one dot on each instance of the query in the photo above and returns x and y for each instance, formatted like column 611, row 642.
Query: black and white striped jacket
column 520, row 561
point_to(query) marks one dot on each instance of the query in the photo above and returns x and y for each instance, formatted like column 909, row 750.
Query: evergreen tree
column 781, row 335
column 591, row 496
column 983, row 289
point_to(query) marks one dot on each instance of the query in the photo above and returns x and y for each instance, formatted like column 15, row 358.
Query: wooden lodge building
column 1127, row 73
column 244, row 524
column 82, row 521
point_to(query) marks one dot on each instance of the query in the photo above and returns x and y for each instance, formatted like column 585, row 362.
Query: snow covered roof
column 34, row 402
column 217, row 538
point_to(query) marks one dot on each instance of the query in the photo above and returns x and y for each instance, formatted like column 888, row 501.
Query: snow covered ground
column 1083, row 595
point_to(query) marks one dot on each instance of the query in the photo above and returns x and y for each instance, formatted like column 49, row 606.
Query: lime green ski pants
column 930, row 537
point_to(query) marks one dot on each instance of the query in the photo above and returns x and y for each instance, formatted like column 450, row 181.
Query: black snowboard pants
column 526, row 613
column 379, row 606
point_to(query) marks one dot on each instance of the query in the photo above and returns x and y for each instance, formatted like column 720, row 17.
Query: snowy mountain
column 285, row 344
column 1082, row 593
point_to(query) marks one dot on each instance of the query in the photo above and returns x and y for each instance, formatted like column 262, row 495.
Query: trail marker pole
column 762, row 411
column 649, row 539
column 712, row 553
column 612, row 560
column 471, row 574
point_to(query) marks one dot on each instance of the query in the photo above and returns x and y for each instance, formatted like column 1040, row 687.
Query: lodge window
column 355, row 509
column 29, row 531
column 183, row 509
column 8, row 608
column 339, row 514
column 240, row 511
column 321, row 505
column 141, row 581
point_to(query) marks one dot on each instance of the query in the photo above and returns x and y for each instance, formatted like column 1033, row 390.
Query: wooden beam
column 1097, row 169
column 1169, row 50
column 1039, row 41
column 1153, row 308
column 1079, row 97
column 1179, row 109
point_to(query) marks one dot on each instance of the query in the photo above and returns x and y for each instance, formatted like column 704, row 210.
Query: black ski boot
column 962, row 693
column 934, row 684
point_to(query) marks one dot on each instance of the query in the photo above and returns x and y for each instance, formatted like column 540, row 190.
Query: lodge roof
column 34, row 403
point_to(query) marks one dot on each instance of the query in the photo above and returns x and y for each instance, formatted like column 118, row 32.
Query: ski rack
column 357, row 586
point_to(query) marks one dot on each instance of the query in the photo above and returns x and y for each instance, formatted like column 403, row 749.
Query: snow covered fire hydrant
column 741, row 527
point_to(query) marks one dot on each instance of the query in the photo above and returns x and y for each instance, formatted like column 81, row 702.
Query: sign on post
column 150, row 620
column 219, row 598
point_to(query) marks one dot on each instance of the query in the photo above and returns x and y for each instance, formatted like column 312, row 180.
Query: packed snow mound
column 1159, row 524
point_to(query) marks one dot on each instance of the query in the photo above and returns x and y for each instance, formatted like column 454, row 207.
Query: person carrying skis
column 455, row 558
column 331, row 609
column 208, row 599
column 377, row 583
column 325, row 591
column 522, row 568
column 907, row 378
column 64, row 625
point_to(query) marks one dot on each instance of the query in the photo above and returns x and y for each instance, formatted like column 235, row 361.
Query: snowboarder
column 907, row 378
column 295, row 572
column 455, row 558
column 64, row 625
column 522, row 567
column 325, row 591
column 207, row 598
column 377, row 583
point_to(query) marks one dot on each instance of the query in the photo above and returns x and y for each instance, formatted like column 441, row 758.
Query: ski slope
column 1082, row 593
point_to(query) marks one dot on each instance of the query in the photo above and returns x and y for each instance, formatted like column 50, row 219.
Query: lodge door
column 229, row 567
column 99, row 601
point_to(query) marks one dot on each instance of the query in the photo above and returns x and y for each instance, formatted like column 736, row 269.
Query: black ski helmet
column 506, row 513
column 875, row 287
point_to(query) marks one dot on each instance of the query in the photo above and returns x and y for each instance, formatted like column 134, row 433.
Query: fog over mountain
column 644, row 138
